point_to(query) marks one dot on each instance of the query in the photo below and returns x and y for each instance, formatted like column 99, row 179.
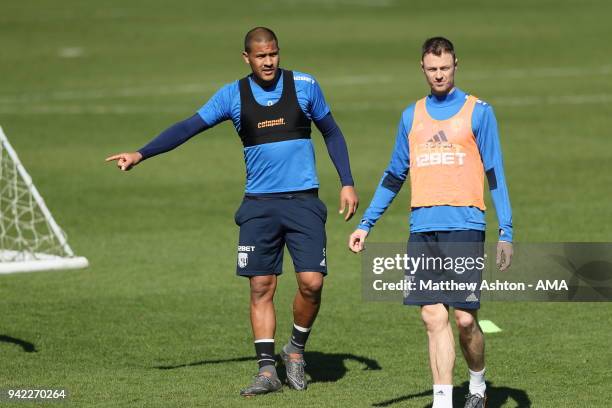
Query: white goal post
column 30, row 239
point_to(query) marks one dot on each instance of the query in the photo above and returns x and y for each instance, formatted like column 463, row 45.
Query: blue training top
column 279, row 166
column 444, row 217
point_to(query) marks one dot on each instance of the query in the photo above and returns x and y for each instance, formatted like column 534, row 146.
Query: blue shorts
column 267, row 223
column 454, row 258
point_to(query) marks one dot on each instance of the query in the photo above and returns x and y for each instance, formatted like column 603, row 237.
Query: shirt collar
column 273, row 85
column 454, row 96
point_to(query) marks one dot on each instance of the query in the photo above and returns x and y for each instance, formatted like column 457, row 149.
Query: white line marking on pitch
column 352, row 80
column 512, row 101
column 108, row 93
column 519, row 101
column 88, row 109
column 552, row 100
column 70, row 52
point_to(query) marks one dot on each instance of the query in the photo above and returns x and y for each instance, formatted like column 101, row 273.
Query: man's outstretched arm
column 174, row 136
column 338, row 152
column 167, row 140
column 216, row 110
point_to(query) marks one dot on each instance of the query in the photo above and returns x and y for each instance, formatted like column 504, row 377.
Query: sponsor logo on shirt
column 438, row 137
column 271, row 123
column 440, row 158
column 439, row 151
column 303, row 78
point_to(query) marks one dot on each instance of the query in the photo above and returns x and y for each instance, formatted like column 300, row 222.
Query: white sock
column 477, row 382
column 442, row 396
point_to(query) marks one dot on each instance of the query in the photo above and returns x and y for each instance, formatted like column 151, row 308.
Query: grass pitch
column 160, row 320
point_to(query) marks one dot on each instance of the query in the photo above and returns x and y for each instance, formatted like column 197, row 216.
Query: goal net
column 30, row 239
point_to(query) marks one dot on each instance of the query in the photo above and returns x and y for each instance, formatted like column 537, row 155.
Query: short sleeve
column 219, row 107
column 318, row 105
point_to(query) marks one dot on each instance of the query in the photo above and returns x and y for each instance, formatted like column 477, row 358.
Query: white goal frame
column 12, row 261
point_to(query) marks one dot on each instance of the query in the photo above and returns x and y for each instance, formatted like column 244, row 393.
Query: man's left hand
column 348, row 202
column 504, row 255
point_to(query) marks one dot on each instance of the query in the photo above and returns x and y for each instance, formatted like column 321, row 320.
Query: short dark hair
column 259, row 34
column 436, row 46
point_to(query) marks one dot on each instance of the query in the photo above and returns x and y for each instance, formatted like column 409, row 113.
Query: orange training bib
column 445, row 163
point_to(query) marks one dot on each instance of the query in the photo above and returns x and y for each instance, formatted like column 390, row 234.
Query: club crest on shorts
column 243, row 259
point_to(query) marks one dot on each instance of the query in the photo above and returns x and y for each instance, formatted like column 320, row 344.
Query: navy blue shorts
column 451, row 272
column 269, row 223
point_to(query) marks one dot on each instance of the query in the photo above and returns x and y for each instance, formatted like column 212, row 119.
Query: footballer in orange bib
column 448, row 142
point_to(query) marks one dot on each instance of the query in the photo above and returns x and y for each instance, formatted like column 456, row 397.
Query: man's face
column 439, row 72
column 263, row 59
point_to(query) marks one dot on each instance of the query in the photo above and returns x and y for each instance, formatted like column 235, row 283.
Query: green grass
column 161, row 289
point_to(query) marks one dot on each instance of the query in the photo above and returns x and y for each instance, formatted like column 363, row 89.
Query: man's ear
column 422, row 67
column 456, row 63
column 245, row 57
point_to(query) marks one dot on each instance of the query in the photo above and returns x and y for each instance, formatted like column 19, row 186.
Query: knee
column 262, row 290
column 434, row 317
column 311, row 288
column 466, row 322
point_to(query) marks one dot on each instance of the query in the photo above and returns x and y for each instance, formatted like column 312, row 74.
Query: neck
column 266, row 84
column 442, row 95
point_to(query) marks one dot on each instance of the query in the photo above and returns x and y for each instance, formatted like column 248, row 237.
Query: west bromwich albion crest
column 243, row 259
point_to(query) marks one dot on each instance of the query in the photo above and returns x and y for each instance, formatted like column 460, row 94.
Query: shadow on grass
column 25, row 345
column 321, row 367
column 496, row 397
